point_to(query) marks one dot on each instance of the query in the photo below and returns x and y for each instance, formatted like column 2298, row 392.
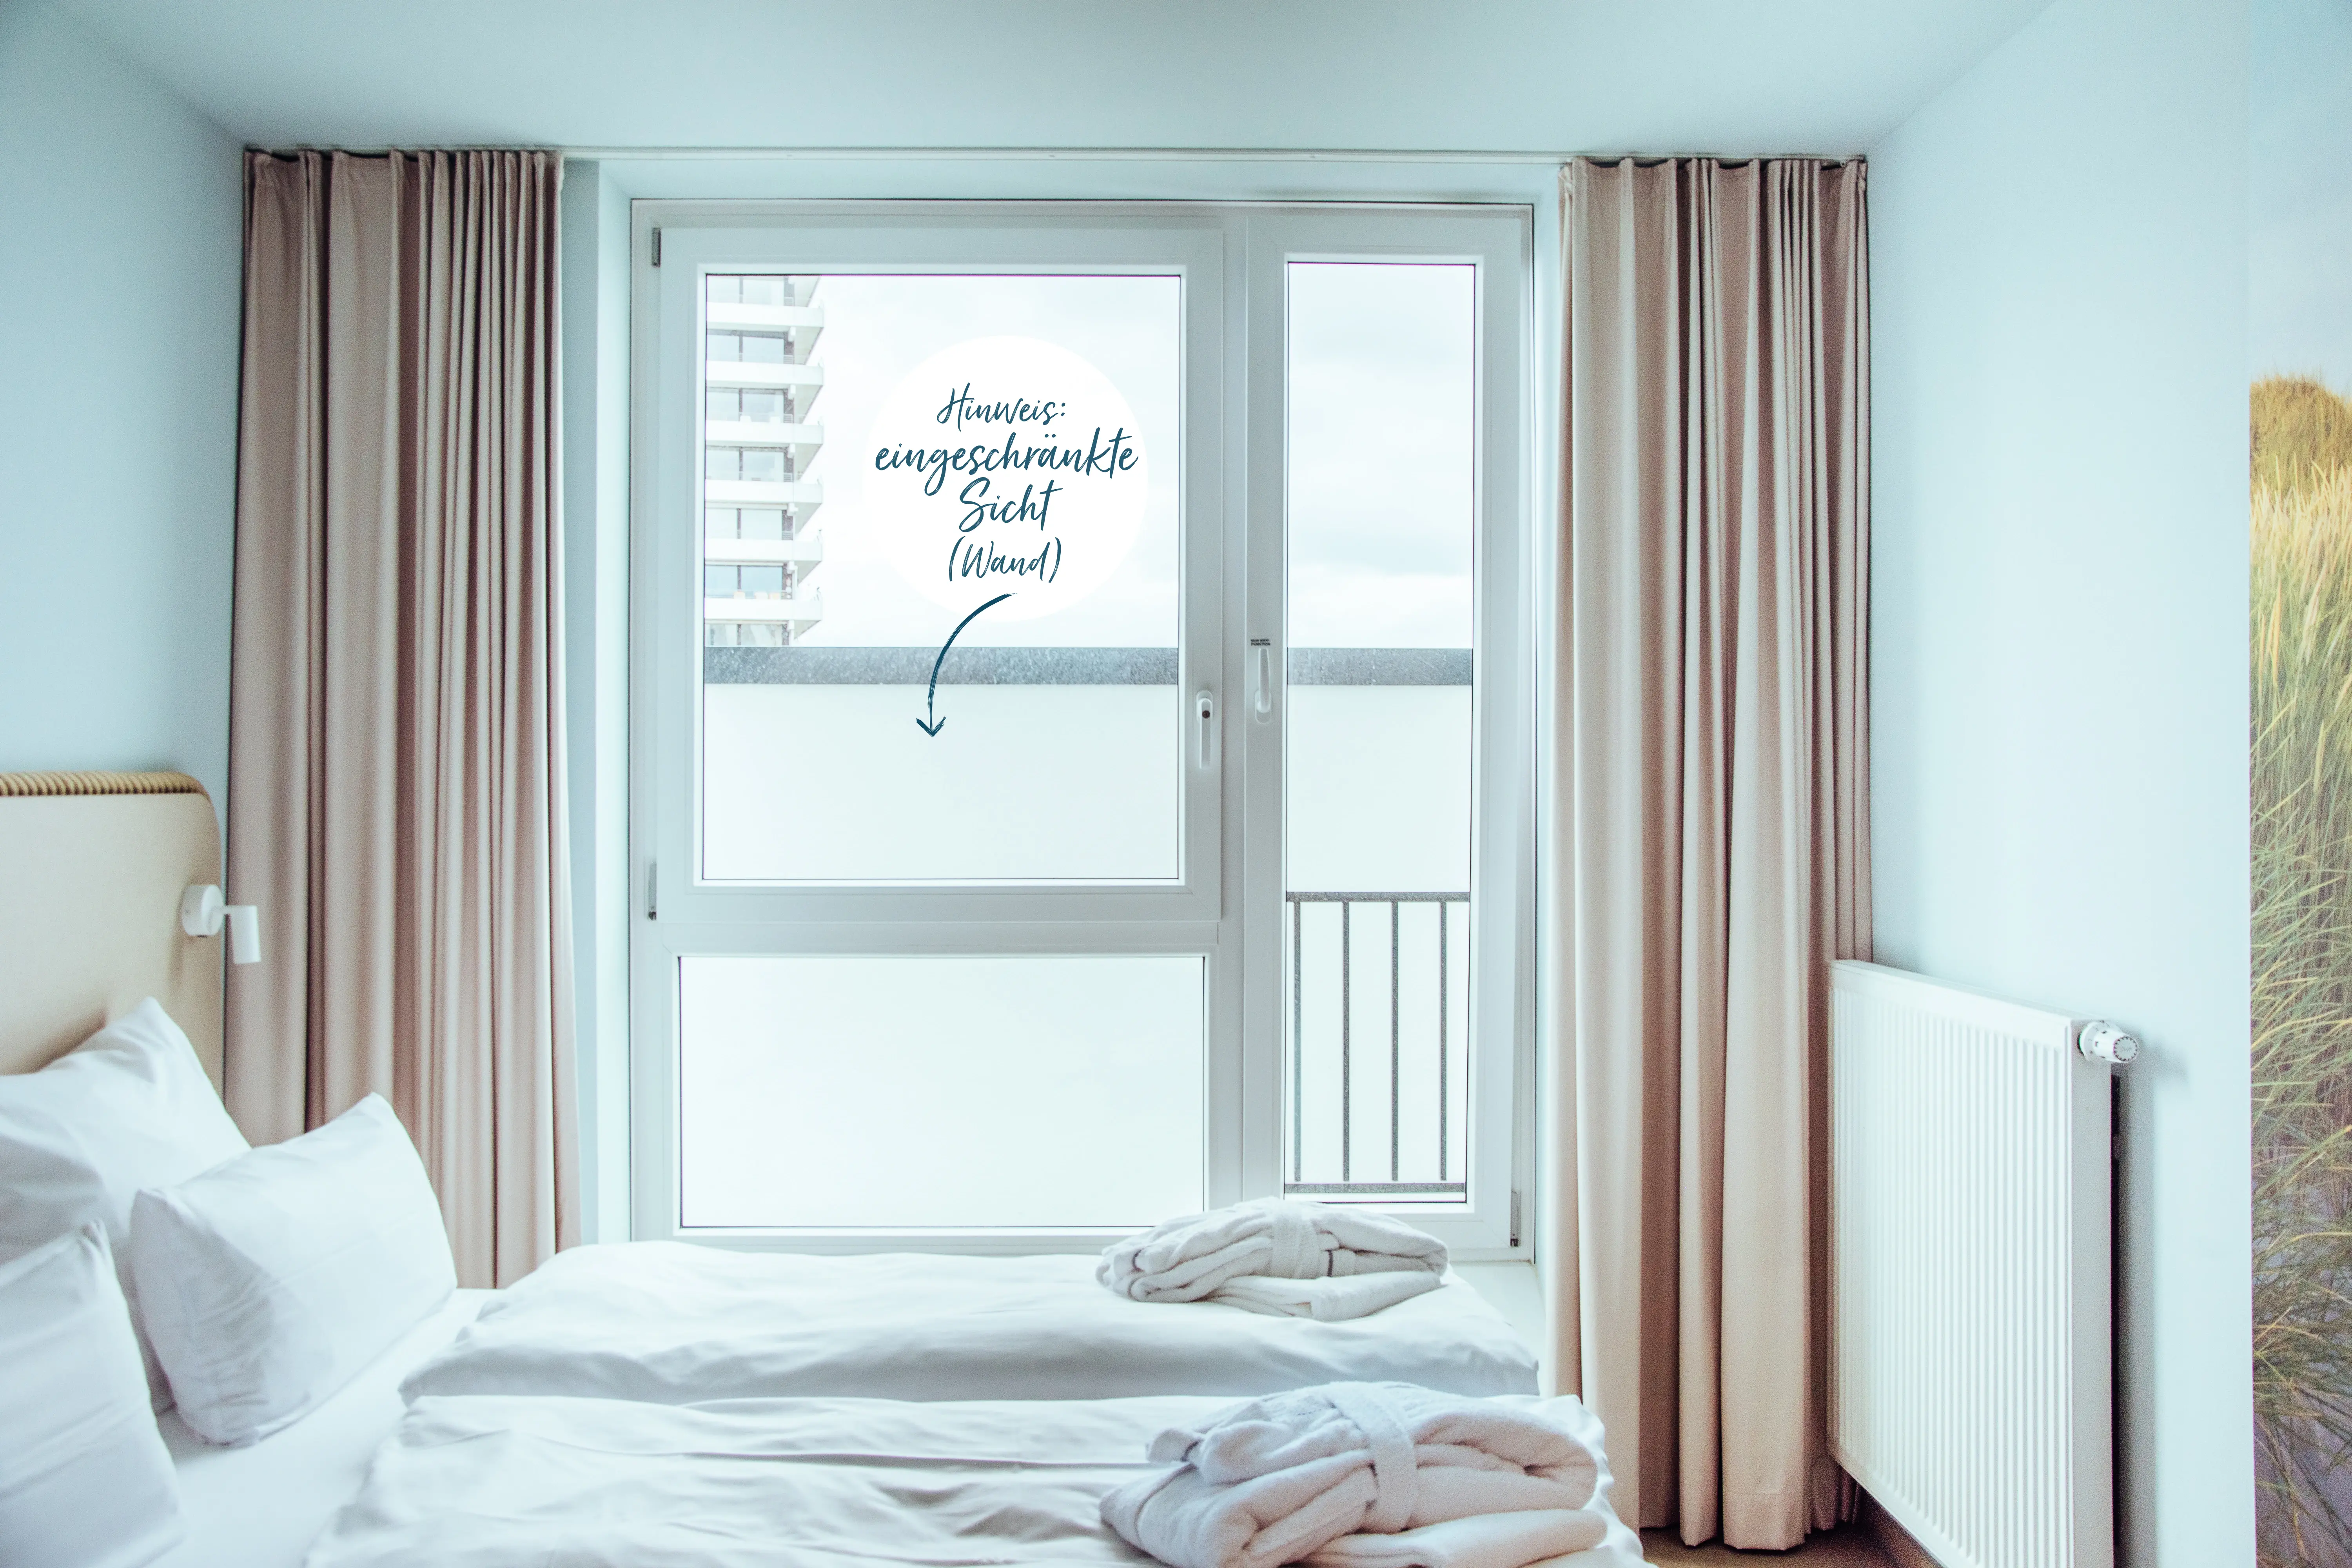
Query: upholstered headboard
column 91, row 869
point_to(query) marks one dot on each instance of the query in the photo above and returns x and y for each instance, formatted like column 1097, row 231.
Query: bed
column 675, row 1323
column 664, row 1402
column 262, row 1505
column 484, row 1481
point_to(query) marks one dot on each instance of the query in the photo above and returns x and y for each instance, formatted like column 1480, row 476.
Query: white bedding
column 521, row 1482
column 262, row 1505
column 674, row 1323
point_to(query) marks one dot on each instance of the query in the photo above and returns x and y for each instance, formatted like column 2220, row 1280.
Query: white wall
column 1689, row 75
column 2059, row 642
column 119, row 267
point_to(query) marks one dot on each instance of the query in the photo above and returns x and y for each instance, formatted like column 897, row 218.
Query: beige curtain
column 1710, row 808
column 396, row 745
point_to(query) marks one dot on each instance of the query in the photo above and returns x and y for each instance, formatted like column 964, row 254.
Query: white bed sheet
column 521, row 1482
column 262, row 1505
column 674, row 1323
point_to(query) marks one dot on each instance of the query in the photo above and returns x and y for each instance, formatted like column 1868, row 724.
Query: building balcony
column 806, row 551
column 805, row 322
column 765, row 375
column 803, row 439
column 799, row 611
column 804, row 496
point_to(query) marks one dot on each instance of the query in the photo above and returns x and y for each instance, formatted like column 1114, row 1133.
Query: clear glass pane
column 963, row 665
column 1021, row 1092
column 1378, row 744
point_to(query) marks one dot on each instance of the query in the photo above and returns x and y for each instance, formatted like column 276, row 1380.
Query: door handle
column 1204, row 707
column 1261, row 650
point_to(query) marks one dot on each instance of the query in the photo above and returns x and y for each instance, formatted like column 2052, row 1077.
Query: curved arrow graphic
column 932, row 698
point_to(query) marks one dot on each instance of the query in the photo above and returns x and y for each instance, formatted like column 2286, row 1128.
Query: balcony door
column 1387, row 734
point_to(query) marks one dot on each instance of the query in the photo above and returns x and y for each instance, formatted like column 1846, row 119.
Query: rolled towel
column 1325, row 1300
column 1185, row 1259
column 1277, row 1479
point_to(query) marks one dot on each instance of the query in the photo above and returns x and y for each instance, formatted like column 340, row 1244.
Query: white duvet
column 674, row 1323
column 513, row 1482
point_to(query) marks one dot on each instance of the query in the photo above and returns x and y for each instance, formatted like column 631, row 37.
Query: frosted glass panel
column 939, row 601
column 1023, row 1092
column 1377, row 739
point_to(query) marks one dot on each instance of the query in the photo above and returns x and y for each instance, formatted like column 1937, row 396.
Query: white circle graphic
column 1006, row 465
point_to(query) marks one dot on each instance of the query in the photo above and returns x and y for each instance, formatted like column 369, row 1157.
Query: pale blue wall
column 2059, row 652
column 2299, row 306
column 119, row 267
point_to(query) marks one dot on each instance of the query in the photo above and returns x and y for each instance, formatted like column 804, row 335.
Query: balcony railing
column 1408, row 1042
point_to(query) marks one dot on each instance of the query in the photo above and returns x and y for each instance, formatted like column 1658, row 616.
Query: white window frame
column 1232, row 469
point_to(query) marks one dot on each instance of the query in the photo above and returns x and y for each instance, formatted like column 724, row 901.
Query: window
column 1080, row 751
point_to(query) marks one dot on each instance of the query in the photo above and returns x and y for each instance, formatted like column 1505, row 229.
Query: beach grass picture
column 2302, row 1039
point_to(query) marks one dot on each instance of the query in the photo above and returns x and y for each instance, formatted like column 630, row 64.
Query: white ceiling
column 1711, row 76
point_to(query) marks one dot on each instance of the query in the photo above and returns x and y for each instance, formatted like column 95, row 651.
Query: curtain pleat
column 1710, row 820
column 396, row 746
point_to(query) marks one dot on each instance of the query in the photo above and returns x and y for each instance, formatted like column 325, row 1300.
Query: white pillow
column 128, row 1108
column 85, row 1479
column 273, row 1280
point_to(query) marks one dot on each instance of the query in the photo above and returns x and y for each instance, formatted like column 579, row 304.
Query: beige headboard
column 91, row 869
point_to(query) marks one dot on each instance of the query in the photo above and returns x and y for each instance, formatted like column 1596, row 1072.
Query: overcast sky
column 1380, row 431
column 2300, row 190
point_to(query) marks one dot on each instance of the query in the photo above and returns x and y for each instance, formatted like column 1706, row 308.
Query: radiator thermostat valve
column 2102, row 1042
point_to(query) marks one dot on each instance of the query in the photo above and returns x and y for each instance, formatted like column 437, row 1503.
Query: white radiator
column 1971, row 1153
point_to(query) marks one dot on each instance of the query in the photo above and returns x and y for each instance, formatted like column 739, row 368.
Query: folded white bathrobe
column 1281, row 1478
column 1325, row 1300
column 1482, row 1540
column 1187, row 1258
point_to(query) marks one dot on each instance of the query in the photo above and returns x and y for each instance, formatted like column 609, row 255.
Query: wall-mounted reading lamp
column 201, row 911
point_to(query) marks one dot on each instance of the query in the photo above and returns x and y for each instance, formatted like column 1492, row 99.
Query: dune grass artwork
column 2301, row 1036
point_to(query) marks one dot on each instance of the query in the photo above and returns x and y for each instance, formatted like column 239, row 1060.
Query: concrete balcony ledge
column 763, row 433
column 755, row 373
column 802, row 495
column 794, row 319
column 806, row 551
column 1379, row 666
column 984, row 666
column 800, row 610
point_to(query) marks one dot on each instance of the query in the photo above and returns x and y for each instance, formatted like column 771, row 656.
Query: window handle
column 1261, row 650
column 1205, row 707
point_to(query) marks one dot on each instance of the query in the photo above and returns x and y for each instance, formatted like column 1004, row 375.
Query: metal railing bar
column 1343, row 1189
column 1346, row 1069
column 1396, row 1035
column 1444, row 1006
column 1298, row 1045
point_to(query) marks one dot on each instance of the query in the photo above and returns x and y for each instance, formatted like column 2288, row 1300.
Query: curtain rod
column 1493, row 159
column 1147, row 155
